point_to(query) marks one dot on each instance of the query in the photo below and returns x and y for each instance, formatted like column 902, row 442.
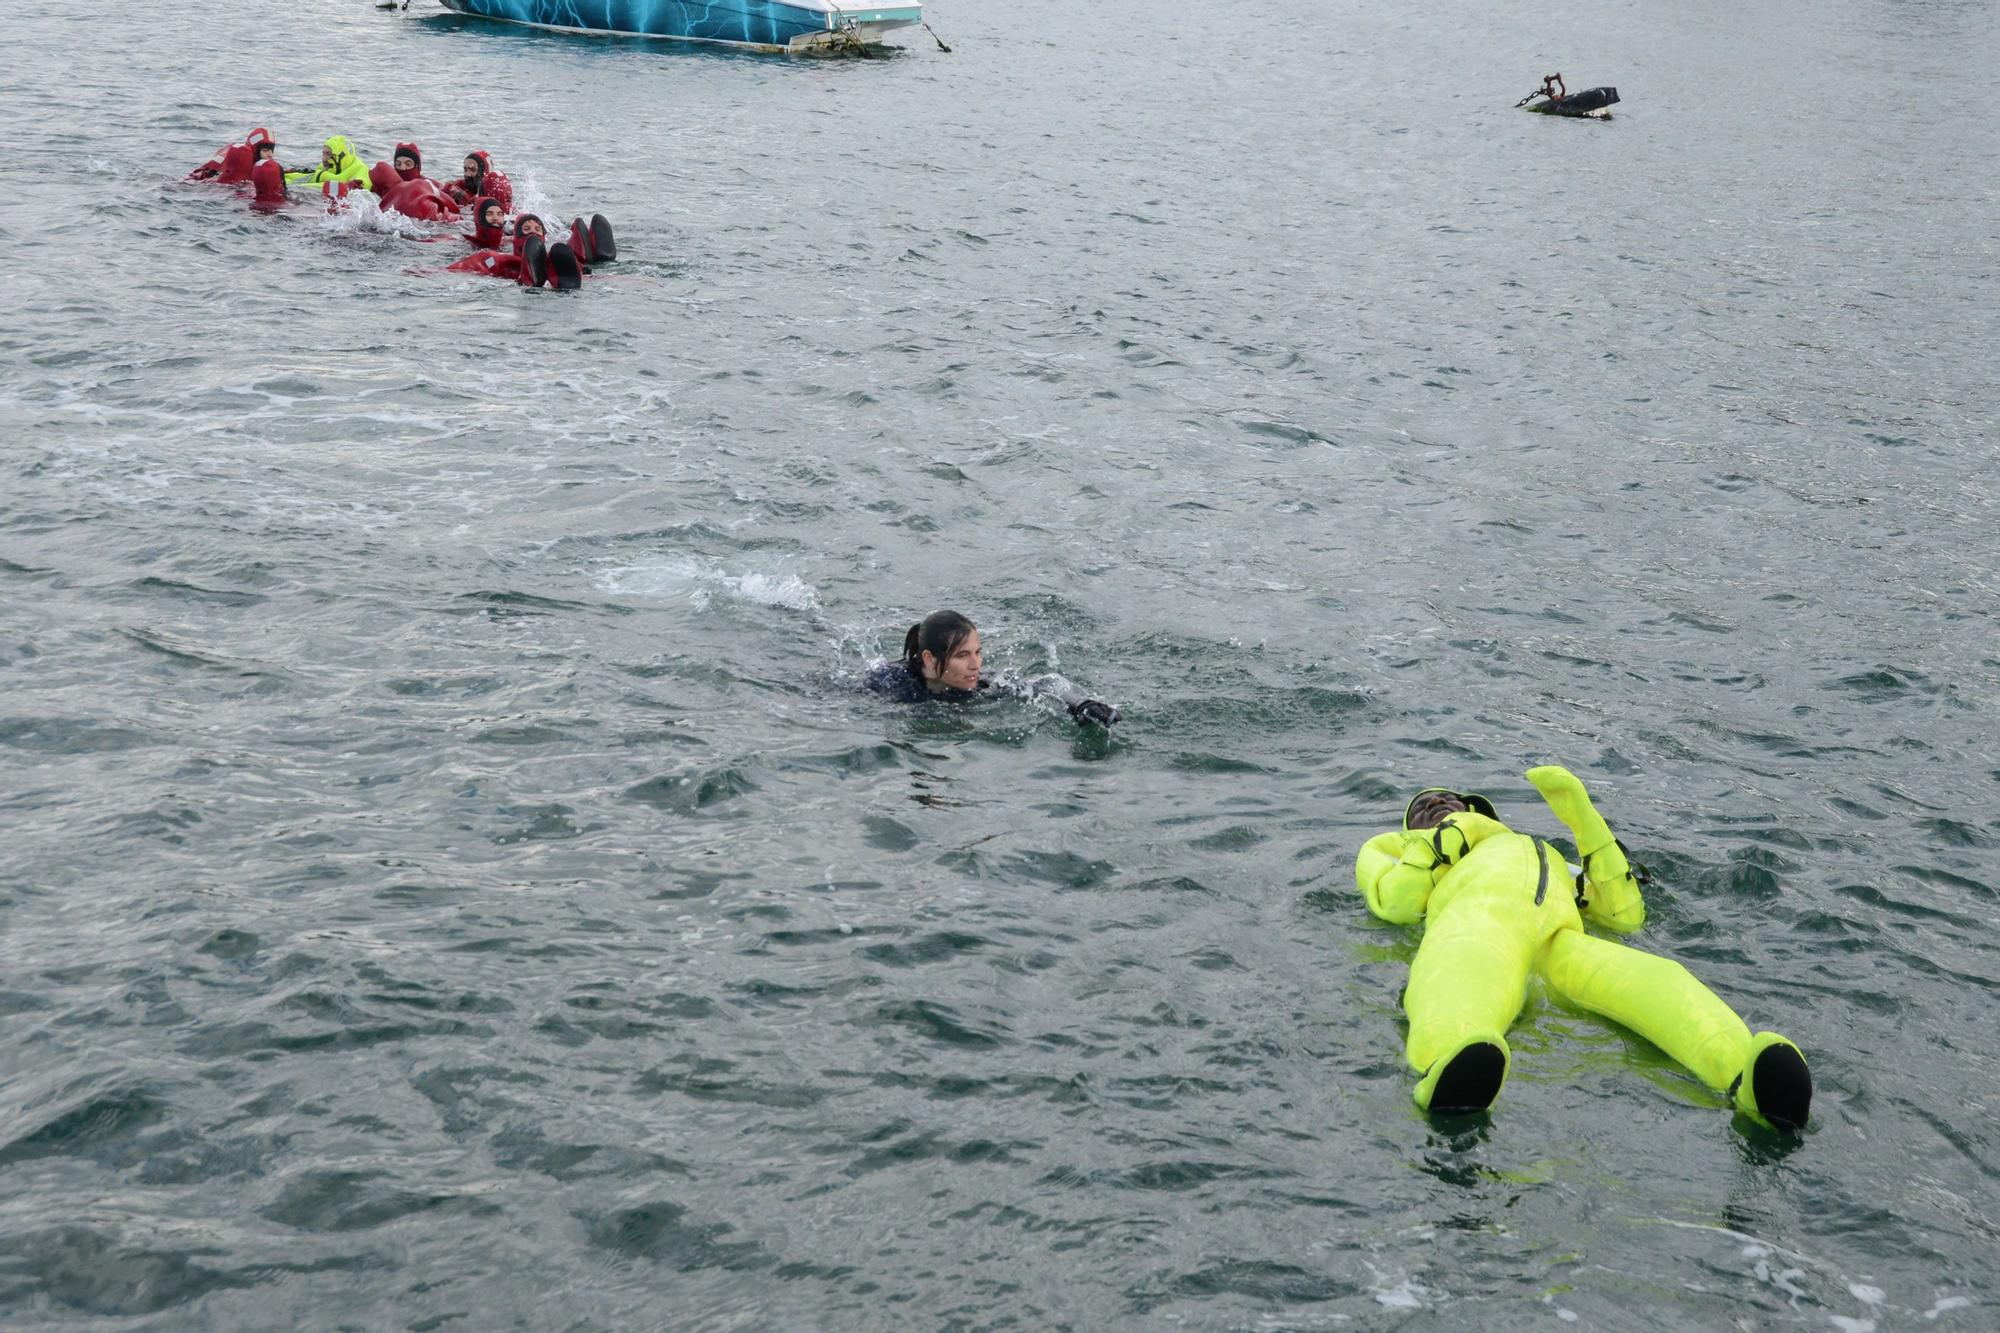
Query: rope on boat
column 939, row 40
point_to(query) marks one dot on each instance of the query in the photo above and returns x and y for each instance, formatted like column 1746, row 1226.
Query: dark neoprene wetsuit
column 894, row 680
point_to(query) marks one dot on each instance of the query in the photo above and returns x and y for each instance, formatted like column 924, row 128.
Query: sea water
column 452, row 878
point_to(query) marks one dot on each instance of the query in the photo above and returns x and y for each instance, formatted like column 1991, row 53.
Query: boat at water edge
column 758, row 25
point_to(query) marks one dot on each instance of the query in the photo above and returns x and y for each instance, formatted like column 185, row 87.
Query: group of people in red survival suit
column 400, row 186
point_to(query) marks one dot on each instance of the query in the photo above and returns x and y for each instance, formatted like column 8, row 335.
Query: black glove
column 1090, row 710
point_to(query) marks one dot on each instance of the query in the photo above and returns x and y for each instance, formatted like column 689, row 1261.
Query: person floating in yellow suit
column 337, row 162
column 1498, row 905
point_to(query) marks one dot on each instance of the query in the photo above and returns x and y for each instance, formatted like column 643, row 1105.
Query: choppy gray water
column 451, row 879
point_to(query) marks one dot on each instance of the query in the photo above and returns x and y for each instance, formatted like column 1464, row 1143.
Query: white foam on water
column 1947, row 1303
column 788, row 591
column 529, row 197
column 701, row 581
column 360, row 213
column 1408, row 1294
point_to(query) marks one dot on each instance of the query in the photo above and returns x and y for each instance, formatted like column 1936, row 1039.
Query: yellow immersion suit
column 346, row 167
column 1498, row 905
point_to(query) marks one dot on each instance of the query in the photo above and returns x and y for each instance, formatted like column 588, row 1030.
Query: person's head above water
column 489, row 229
column 942, row 650
column 477, row 164
column 408, row 160
column 263, row 151
column 1433, row 805
column 529, row 228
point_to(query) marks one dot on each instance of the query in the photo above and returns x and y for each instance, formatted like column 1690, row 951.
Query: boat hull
column 761, row 25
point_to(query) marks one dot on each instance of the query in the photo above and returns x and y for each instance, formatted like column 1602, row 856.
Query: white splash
column 530, row 198
column 1784, row 1279
column 359, row 212
column 700, row 581
column 1405, row 1295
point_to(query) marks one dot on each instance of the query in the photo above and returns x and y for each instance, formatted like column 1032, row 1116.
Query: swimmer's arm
column 1395, row 887
column 1612, row 899
column 892, row 680
column 1397, row 871
column 1052, row 686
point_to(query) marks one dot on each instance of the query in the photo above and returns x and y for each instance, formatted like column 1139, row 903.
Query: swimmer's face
column 960, row 670
column 404, row 162
column 491, row 216
column 266, row 150
column 532, row 227
column 1430, row 809
column 473, row 171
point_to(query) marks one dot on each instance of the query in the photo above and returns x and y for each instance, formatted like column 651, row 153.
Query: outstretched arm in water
column 1049, row 685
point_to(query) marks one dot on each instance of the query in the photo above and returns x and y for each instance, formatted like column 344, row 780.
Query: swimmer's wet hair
column 938, row 634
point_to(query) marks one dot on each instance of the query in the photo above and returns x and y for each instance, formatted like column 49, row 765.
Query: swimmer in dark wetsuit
column 941, row 662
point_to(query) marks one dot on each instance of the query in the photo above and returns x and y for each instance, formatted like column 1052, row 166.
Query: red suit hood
column 232, row 162
column 483, row 236
column 269, row 178
column 237, row 159
column 490, row 183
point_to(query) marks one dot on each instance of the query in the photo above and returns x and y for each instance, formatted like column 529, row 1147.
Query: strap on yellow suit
column 1497, row 905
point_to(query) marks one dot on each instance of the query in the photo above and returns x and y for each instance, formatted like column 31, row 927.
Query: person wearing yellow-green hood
column 337, row 162
column 1497, row 906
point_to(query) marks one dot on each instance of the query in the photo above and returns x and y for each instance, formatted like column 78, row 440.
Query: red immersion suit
column 494, row 262
column 232, row 162
column 411, row 194
column 490, row 184
column 269, row 178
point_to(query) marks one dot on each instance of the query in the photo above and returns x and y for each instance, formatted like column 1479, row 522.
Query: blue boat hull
column 766, row 25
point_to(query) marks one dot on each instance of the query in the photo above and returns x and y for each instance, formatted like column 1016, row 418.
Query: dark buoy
column 1556, row 100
